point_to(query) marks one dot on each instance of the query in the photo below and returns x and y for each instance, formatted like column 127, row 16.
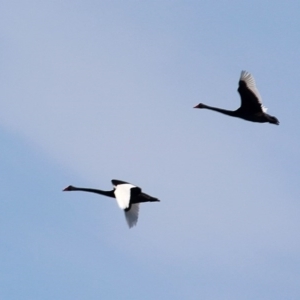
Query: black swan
column 251, row 108
column 128, row 197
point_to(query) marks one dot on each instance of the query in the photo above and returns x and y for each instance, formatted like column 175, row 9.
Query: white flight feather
column 250, row 82
column 132, row 215
column 122, row 193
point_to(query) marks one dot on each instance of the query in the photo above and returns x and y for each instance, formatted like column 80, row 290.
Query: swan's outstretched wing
column 123, row 194
column 250, row 97
column 116, row 182
column 132, row 214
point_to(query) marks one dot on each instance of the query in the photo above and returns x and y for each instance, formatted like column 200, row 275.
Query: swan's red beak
column 66, row 189
column 197, row 106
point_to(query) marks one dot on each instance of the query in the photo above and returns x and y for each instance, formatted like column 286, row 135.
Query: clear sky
column 97, row 90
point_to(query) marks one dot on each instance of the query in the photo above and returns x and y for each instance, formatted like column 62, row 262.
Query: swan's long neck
column 220, row 110
column 104, row 193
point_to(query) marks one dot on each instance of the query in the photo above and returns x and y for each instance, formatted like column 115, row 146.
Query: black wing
column 250, row 98
column 116, row 182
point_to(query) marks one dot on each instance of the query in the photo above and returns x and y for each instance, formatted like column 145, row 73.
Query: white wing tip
column 245, row 75
column 132, row 215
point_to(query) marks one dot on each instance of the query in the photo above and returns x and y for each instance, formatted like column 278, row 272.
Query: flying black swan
column 128, row 197
column 251, row 108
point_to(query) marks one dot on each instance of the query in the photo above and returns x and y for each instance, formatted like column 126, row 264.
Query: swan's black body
column 127, row 195
column 136, row 194
column 251, row 108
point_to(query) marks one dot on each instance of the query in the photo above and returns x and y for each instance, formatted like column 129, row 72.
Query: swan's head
column 200, row 105
column 68, row 188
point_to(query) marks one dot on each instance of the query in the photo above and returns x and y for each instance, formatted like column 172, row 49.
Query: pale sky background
column 96, row 90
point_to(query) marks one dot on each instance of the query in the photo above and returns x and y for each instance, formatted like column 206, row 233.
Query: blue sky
column 94, row 91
